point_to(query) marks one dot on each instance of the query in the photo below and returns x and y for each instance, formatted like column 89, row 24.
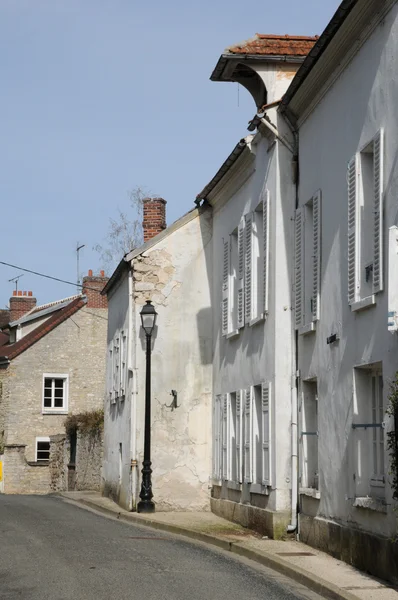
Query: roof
column 4, row 317
column 275, row 45
column 10, row 351
column 3, row 338
column 42, row 311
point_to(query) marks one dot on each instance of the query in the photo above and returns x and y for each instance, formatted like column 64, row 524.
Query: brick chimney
column 20, row 304
column 154, row 217
column 92, row 286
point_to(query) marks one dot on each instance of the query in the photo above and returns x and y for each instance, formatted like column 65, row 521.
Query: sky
column 100, row 96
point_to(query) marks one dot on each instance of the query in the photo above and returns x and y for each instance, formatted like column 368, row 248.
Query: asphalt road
column 54, row 550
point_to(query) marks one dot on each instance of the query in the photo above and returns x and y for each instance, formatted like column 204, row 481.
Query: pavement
column 321, row 573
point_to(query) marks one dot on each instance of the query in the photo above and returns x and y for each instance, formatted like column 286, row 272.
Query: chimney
column 92, row 286
column 154, row 217
column 20, row 304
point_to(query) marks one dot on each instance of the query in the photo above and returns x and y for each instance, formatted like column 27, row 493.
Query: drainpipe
column 294, row 524
column 132, row 357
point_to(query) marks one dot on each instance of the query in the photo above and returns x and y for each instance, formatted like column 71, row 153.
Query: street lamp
column 148, row 320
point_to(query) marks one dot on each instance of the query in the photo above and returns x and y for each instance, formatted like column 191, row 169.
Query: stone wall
column 59, row 455
column 21, row 476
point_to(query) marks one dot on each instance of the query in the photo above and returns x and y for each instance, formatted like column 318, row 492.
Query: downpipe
column 133, row 407
column 292, row 527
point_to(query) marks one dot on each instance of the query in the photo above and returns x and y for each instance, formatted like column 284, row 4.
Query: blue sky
column 100, row 96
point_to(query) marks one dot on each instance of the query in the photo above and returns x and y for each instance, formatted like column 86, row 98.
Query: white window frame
column 356, row 299
column 53, row 410
column 41, row 439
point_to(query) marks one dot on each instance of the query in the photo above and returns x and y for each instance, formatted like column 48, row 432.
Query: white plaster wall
column 176, row 273
column 262, row 352
column 362, row 100
column 276, row 76
column 117, row 416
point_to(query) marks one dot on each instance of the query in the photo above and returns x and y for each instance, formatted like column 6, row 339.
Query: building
column 173, row 268
column 52, row 366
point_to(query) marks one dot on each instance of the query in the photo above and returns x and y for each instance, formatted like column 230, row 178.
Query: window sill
column 258, row 488
column 364, row 303
column 38, row 463
column 54, row 412
column 306, row 329
column 233, row 485
column 256, row 320
column 311, row 492
column 369, row 503
column 232, row 334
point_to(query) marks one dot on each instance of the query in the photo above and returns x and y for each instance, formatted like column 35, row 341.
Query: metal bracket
column 309, row 433
column 173, row 404
column 366, row 425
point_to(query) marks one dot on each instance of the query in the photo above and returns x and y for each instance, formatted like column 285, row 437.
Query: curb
column 311, row 581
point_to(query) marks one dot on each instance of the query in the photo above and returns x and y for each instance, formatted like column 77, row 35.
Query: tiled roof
column 3, row 338
column 4, row 317
column 37, row 309
column 275, row 45
column 10, row 351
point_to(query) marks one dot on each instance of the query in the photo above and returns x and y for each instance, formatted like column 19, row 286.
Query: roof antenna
column 16, row 281
column 78, row 248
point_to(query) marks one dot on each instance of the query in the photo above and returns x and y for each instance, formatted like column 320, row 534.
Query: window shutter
column 266, row 431
column 110, row 375
column 266, row 249
column 123, row 353
column 216, row 438
column 248, row 266
column 248, row 466
column 317, row 229
column 225, row 290
column 225, row 436
column 378, row 156
column 353, row 285
column 299, row 268
column 116, row 367
column 241, row 274
column 238, row 434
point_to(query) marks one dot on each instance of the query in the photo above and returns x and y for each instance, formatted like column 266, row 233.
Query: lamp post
column 148, row 320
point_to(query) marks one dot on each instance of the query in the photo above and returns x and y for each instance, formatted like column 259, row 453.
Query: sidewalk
column 318, row 571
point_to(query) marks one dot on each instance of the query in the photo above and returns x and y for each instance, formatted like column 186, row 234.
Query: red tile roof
column 275, row 45
column 10, row 351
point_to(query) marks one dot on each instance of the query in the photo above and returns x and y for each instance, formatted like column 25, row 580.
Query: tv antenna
column 15, row 279
column 78, row 248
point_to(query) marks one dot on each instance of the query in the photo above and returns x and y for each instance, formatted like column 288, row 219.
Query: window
column 308, row 263
column 309, row 475
column 233, row 281
column 116, row 367
column 256, row 261
column 55, row 393
column 217, row 438
column 365, row 221
column 368, row 426
column 42, row 449
column 258, row 462
column 123, row 367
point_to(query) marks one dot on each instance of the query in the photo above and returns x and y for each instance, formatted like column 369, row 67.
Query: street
column 51, row 549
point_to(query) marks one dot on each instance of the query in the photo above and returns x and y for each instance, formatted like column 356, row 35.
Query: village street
column 52, row 549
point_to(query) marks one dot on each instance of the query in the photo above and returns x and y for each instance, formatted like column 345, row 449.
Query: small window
column 309, row 475
column 55, row 393
column 42, row 449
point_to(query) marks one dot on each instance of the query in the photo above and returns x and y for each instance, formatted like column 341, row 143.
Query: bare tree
column 124, row 232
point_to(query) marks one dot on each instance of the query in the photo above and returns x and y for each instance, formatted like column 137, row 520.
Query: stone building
column 52, row 366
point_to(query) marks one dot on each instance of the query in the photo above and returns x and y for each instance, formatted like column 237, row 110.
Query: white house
column 343, row 106
column 173, row 269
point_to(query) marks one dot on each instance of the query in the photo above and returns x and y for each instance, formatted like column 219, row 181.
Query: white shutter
column 225, row 436
column 248, row 267
column 266, row 250
column 225, row 289
column 241, row 274
column 299, row 268
column 116, row 367
column 316, row 232
column 217, row 438
column 248, row 456
column 238, row 434
column 123, row 355
column 378, row 156
column 110, row 374
column 353, row 271
column 266, row 434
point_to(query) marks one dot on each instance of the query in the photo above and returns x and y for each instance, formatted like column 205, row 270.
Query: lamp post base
column 146, row 506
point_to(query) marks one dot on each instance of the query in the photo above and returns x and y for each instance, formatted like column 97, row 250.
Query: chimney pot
column 19, row 292
column 90, row 272
column 14, row 293
column 102, row 273
column 30, row 294
column 25, row 294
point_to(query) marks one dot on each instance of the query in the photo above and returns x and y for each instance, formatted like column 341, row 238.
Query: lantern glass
column 148, row 317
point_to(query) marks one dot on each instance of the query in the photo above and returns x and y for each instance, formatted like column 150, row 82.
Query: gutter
column 316, row 52
column 224, row 58
column 225, row 167
column 132, row 368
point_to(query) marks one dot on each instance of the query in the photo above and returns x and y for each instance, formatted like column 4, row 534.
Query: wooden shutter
column 217, row 438
column 266, row 434
column 248, row 455
column 241, row 274
column 238, row 434
column 225, row 289
column 248, row 267
column 299, row 268
column 316, row 233
column 123, row 358
column 116, row 367
column 265, row 250
column 378, row 166
column 225, row 436
column 353, row 271
column 110, row 375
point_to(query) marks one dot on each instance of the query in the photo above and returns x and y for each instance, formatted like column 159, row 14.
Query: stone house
column 173, row 269
column 52, row 366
